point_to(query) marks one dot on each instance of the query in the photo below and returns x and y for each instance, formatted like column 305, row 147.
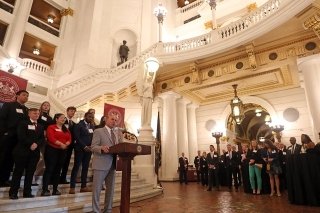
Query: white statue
column 147, row 98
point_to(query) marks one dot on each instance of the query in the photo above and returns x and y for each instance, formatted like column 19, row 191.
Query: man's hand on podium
column 104, row 149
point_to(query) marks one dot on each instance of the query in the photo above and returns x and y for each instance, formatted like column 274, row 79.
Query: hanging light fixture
column 36, row 51
column 236, row 106
column 186, row 2
column 50, row 19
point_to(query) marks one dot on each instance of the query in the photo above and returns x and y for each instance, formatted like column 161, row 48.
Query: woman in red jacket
column 59, row 139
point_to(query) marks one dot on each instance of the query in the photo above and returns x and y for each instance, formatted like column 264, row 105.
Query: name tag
column 19, row 110
column 274, row 151
column 227, row 155
column 31, row 127
column 243, row 155
column 43, row 118
column 67, row 126
column 90, row 130
column 284, row 153
column 254, row 151
column 215, row 156
column 58, row 130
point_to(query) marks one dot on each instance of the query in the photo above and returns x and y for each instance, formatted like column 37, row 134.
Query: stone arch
column 117, row 38
column 246, row 100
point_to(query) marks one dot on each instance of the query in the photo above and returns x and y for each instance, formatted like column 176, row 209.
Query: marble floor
column 193, row 198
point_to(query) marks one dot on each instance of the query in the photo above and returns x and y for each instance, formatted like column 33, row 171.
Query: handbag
column 268, row 167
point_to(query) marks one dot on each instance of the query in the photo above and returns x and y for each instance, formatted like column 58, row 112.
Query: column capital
column 192, row 106
column 183, row 101
column 169, row 94
column 309, row 60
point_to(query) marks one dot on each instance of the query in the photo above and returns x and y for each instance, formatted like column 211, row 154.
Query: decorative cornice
column 66, row 12
column 208, row 25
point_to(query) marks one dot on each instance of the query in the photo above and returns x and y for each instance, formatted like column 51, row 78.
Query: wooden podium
column 126, row 152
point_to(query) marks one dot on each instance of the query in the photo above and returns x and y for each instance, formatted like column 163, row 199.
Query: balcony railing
column 6, row 6
column 165, row 50
column 191, row 6
column 36, row 66
column 43, row 25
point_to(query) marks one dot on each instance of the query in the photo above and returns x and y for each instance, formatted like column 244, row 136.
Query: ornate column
column 169, row 159
column 182, row 127
column 310, row 67
column 18, row 27
column 192, row 128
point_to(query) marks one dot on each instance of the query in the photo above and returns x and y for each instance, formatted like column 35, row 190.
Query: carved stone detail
column 251, row 56
column 196, row 75
column 67, row 11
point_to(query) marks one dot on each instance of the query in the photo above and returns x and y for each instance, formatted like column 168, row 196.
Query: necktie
column 35, row 124
column 292, row 151
column 70, row 123
column 113, row 137
column 230, row 155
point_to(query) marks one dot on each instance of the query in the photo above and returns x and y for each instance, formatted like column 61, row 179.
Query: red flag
column 10, row 85
column 116, row 111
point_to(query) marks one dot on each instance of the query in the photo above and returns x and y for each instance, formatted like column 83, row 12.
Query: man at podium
column 104, row 163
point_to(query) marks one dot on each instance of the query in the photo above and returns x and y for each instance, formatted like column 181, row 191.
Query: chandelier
column 236, row 106
column 36, row 51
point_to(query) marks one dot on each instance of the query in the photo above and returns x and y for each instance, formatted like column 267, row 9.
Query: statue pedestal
column 144, row 165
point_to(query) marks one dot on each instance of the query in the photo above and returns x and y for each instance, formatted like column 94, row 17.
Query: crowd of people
column 34, row 144
column 259, row 166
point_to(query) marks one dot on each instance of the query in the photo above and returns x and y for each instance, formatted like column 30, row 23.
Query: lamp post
column 236, row 106
column 160, row 12
column 217, row 136
column 277, row 129
column 213, row 5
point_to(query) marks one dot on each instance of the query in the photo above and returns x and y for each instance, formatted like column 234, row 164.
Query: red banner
column 10, row 85
column 116, row 111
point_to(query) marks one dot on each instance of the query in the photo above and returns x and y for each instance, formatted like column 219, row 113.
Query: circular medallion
column 139, row 149
column 187, row 79
column 239, row 65
column 8, row 89
column 291, row 114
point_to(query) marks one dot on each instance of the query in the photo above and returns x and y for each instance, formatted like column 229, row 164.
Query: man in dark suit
column 70, row 125
column 183, row 169
column 11, row 114
column 26, row 154
column 295, row 148
column 83, row 132
column 197, row 165
column 103, row 163
column 232, row 162
column 213, row 168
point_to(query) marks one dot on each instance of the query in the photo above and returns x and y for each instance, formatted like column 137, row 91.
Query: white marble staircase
column 79, row 202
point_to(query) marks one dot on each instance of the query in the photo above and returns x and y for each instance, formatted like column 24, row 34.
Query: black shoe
column 13, row 197
column 5, row 184
column 45, row 193
column 28, row 196
column 56, row 192
column 64, row 182
column 34, row 184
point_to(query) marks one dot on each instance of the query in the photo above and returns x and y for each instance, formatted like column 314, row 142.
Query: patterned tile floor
column 193, row 198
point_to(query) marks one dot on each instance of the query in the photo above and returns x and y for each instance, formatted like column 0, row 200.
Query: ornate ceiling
column 264, row 65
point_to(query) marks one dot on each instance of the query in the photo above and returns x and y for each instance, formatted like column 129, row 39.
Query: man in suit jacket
column 70, row 125
column 104, row 164
column 26, row 154
column 183, row 169
column 197, row 165
column 11, row 114
column 213, row 168
column 83, row 132
column 232, row 162
column 295, row 148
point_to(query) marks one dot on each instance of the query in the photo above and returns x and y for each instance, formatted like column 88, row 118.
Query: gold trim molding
column 252, row 7
column 67, row 11
column 208, row 25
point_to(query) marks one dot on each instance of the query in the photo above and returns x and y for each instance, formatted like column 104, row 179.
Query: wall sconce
column 267, row 119
column 12, row 65
column 36, row 51
column 50, row 19
column 236, row 106
column 262, row 139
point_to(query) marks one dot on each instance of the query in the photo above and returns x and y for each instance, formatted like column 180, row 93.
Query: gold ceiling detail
column 208, row 25
column 67, row 11
column 196, row 75
column 252, row 7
